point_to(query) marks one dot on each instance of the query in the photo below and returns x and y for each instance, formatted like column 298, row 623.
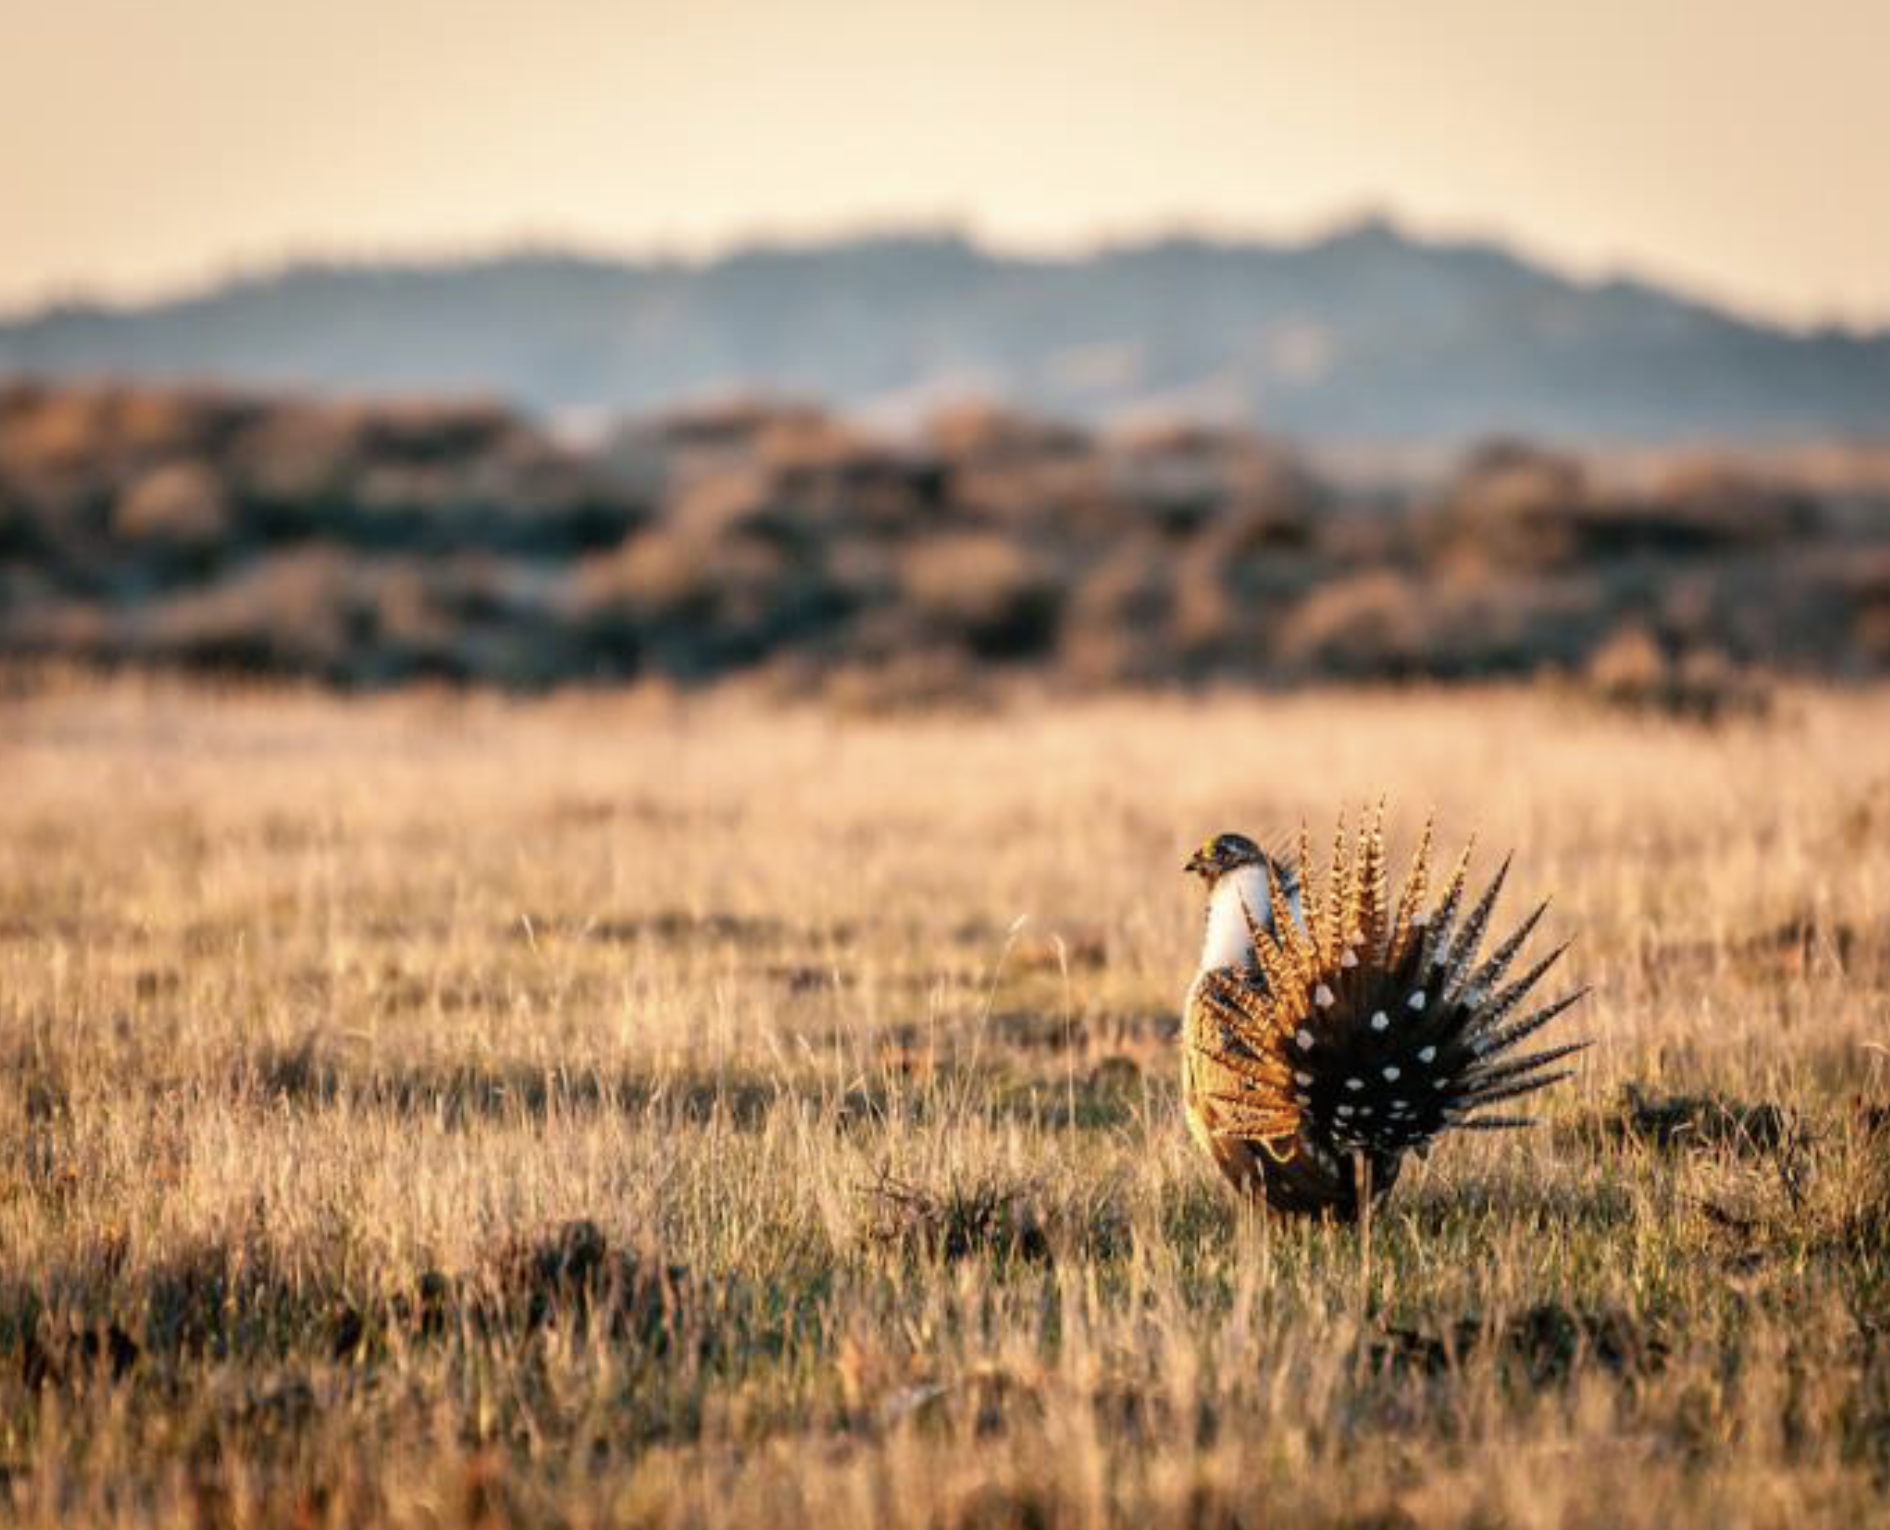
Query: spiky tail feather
column 1368, row 1030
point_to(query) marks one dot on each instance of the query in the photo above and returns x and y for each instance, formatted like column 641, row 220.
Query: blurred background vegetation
column 366, row 544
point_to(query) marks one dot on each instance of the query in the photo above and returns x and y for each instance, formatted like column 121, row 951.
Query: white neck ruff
column 1227, row 942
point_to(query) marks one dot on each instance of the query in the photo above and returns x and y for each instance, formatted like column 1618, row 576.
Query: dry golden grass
column 322, row 1023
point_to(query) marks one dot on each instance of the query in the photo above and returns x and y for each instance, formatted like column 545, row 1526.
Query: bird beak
column 1199, row 865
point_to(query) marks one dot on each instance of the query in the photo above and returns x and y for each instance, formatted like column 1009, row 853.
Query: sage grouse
column 1327, row 1033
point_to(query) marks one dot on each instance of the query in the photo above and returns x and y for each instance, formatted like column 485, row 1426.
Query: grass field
column 441, row 1112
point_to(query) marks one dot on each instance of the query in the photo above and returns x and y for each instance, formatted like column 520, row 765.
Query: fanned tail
column 1372, row 1028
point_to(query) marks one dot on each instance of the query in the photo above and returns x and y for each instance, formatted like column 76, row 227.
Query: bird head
column 1222, row 854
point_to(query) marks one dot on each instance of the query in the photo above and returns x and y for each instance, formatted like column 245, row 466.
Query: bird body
column 1327, row 1033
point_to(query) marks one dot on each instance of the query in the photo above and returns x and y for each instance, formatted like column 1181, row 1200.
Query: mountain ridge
column 1362, row 334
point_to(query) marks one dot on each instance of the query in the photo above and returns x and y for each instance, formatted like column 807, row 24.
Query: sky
column 1738, row 150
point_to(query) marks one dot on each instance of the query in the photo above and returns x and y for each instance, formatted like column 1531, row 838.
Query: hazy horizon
column 1741, row 165
column 218, row 277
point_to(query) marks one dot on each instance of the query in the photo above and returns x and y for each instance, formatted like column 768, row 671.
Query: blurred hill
column 1365, row 336
column 366, row 544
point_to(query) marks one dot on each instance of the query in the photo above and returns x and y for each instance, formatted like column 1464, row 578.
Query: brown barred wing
column 1239, row 1077
column 1243, row 1105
